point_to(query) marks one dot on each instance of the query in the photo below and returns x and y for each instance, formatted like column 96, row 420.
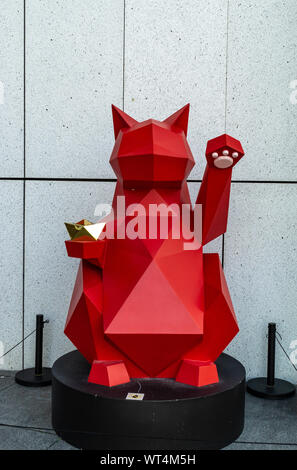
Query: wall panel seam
column 124, row 50
column 24, row 182
column 226, row 77
column 113, row 180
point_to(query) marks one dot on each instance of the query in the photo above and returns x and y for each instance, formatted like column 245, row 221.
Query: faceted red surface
column 148, row 307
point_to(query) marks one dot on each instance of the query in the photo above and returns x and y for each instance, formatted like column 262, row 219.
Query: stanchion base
column 28, row 378
column 280, row 389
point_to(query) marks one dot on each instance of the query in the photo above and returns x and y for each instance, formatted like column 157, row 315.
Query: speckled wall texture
column 62, row 64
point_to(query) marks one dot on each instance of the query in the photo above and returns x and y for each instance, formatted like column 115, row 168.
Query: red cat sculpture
column 147, row 306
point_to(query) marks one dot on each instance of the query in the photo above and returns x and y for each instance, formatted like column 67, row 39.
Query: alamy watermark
column 1, row 92
column 1, row 353
column 293, row 354
column 154, row 221
column 293, row 94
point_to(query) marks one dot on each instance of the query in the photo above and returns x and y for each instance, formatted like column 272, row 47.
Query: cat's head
column 151, row 153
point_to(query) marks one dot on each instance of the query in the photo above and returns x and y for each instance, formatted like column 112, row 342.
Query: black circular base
column 28, row 378
column 171, row 415
column 280, row 389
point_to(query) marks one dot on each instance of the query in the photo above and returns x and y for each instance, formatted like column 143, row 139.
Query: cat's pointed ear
column 180, row 118
column 120, row 120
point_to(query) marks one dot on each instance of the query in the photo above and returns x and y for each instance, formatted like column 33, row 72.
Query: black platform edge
column 172, row 416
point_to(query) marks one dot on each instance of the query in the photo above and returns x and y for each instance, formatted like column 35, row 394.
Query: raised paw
column 224, row 160
column 223, row 151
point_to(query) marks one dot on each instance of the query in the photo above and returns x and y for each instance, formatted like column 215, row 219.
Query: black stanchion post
column 38, row 376
column 271, row 354
column 270, row 387
column 38, row 347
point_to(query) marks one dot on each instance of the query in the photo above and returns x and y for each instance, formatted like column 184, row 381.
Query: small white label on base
column 135, row 396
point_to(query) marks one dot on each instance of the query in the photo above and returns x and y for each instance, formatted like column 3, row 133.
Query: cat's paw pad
column 224, row 159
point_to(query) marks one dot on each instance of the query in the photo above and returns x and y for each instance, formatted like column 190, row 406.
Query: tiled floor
column 25, row 420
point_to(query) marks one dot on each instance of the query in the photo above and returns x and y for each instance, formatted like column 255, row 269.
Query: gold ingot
column 84, row 222
column 84, row 230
